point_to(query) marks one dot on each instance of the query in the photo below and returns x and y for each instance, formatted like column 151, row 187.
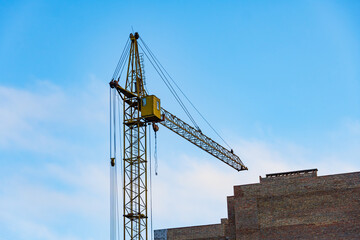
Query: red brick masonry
column 293, row 205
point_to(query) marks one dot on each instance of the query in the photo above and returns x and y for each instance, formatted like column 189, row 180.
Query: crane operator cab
column 150, row 108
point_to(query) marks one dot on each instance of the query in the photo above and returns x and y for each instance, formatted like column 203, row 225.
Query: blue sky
column 280, row 80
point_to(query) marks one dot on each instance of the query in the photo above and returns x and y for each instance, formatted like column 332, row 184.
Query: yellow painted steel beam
column 196, row 137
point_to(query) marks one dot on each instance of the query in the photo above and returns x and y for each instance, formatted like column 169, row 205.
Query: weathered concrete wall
column 296, row 205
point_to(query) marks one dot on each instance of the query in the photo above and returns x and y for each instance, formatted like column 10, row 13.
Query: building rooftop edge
column 197, row 226
column 299, row 172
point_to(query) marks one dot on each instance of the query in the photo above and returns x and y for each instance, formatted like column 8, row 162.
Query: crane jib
column 196, row 137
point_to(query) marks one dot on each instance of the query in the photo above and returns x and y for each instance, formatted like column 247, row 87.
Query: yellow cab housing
column 150, row 108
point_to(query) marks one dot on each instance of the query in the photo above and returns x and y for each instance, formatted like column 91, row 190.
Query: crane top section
column 148, row 106
column 135, row 79
column 134, row 37
column 134, row 94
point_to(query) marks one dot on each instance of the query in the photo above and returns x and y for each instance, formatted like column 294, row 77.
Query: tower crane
column 141, row 109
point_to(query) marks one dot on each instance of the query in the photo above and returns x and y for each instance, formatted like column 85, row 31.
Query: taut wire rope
column 177, row 86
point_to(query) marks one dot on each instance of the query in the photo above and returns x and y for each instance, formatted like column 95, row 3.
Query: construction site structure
column 141, row 109
column 287, row 205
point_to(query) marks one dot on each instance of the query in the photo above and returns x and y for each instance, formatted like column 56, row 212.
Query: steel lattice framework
column 135, row 160
column 135, row 212
column 196, row 137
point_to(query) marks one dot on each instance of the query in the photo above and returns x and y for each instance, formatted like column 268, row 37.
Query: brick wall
column 295, row 205
column 213, row 232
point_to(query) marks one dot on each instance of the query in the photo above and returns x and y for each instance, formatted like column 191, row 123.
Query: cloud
column 57, row 189
column 20, row 111
column 36, row 209
column 194, row 192
column 29, row 229
column 66, row 196
column 49, row 119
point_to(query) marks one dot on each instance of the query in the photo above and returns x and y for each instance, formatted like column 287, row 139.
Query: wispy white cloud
column 32, row 209
column 195, row 191
column 46, row 119
column 20, row 112
column 37, row 201
column 67, row 193
column 30, row 230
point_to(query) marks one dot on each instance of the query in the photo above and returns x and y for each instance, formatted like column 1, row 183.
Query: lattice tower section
column 135, row 156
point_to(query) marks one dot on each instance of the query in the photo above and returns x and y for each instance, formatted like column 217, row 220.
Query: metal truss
column 135, row 157
column 205, row 143
column 135, row 200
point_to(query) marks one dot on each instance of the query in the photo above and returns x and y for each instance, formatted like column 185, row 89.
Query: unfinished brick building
column 292, row 205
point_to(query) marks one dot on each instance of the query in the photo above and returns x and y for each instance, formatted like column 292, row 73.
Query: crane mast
column 139, row 110
column 135, row 157
column 135, row 212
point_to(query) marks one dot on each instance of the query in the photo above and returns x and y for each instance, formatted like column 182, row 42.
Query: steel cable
column 120, row 62
column 151, row 207
column 172, row 90
column 185, row 95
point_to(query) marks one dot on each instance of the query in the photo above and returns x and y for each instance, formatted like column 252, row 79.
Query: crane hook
column 155, row 127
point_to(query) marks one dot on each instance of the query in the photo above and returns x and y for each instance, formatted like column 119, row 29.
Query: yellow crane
column 141, row 109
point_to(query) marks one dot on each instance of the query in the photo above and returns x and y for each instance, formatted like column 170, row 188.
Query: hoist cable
column 110, row 123
column 121, row 154
column 117, row 204
column 156, row 156
column 172, row 90
column 151, row 207
column 114, row 122
column 111, row 180
column 185, row 95
column 115, row 187
column 120, row 127
column 112, row 170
